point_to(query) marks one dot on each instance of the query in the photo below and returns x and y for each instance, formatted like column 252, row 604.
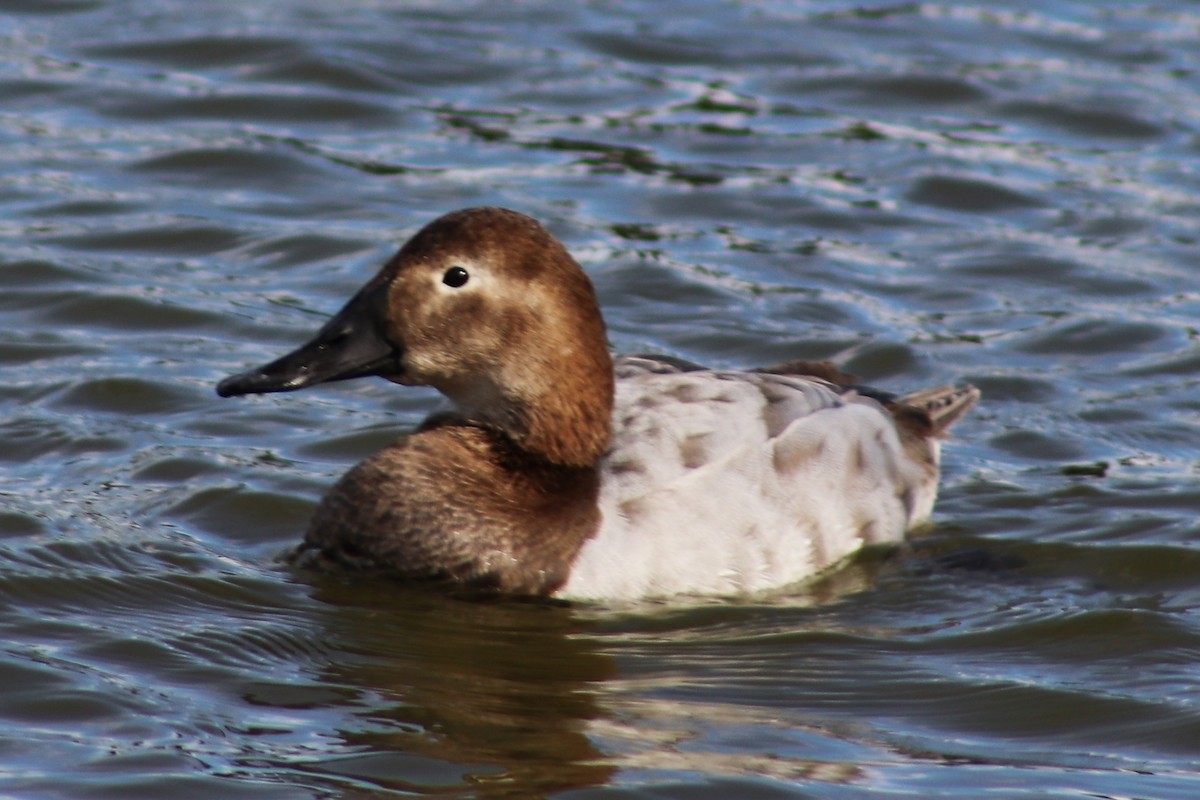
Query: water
column 1005, row 193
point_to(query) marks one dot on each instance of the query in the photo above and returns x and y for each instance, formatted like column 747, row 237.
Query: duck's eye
column 456, row 277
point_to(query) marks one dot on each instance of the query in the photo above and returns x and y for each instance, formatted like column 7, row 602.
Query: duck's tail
column 936, row 409
column 944, row 404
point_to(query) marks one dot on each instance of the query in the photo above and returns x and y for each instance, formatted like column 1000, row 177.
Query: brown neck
column 560, row 395
column 570, row 422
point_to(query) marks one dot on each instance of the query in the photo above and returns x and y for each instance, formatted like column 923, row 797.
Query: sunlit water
column 1006, row 193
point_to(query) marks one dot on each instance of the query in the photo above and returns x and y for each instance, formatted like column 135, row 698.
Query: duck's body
column 722, row 482
column 558, row 475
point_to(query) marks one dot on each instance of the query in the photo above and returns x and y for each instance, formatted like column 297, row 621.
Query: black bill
column 351, row 345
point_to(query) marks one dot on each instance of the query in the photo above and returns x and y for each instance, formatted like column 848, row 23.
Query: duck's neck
column 569, row 421
column 558, row 410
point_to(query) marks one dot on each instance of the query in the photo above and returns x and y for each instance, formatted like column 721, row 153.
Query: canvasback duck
column 561, row 472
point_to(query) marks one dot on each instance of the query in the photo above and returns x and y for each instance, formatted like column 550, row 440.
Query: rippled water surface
column 1006, row 193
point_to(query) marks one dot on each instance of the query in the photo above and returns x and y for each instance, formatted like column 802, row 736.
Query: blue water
column 1005, row 194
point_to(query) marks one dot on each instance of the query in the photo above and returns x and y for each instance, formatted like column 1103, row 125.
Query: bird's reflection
column 448, row 694
column 491, row 695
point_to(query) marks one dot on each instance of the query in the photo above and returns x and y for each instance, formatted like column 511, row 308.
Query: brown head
column 487, row 307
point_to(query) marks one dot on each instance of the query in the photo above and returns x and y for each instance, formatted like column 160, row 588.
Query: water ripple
column 925, row 192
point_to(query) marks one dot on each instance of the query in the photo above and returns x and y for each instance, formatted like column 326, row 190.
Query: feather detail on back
column 726, row 482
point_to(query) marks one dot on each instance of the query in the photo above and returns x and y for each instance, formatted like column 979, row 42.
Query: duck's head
column 487, row 307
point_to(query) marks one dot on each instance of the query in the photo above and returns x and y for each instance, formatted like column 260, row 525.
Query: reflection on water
column 495, row 696
column 520, row 699
column 927, row 192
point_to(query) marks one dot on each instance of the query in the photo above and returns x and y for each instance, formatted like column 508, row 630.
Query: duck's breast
column 728, row 482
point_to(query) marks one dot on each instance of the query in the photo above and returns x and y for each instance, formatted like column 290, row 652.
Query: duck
column 558, row 470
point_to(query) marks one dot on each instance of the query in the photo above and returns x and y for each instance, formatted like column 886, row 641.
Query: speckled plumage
column 723, row 482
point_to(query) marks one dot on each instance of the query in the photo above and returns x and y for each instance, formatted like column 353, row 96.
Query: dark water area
column 1004, row 193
